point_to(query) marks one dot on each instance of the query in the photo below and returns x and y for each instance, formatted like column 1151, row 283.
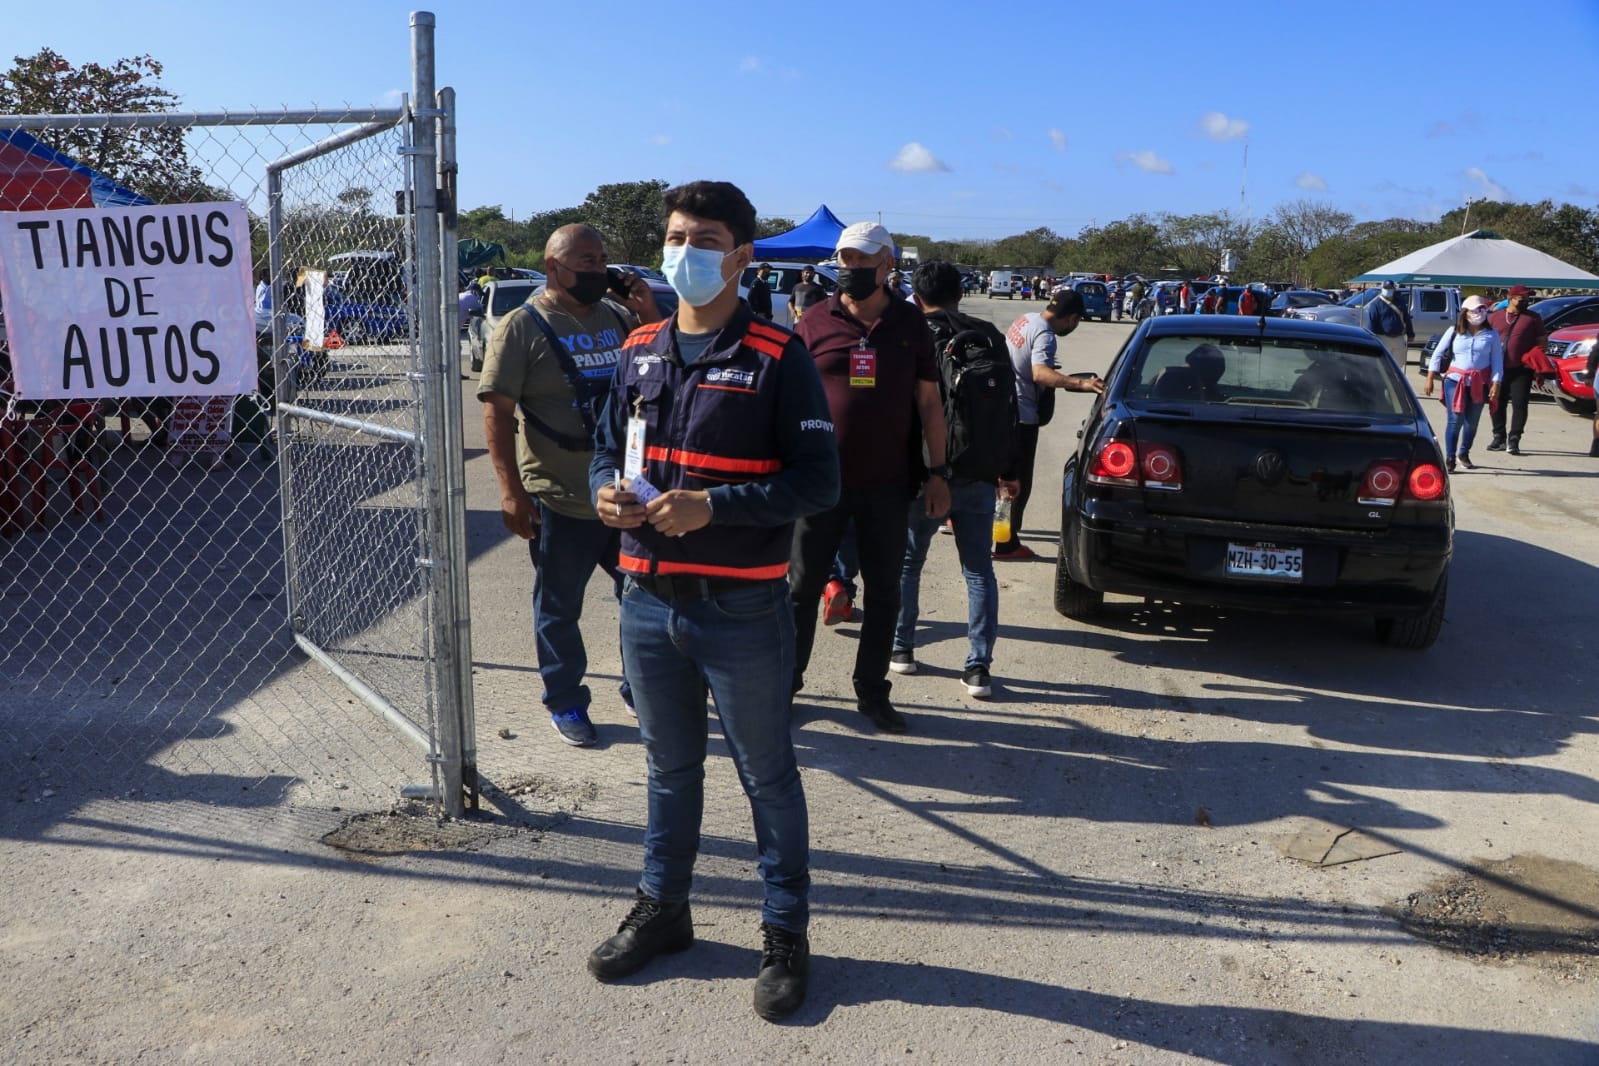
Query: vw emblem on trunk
column 1270, row 466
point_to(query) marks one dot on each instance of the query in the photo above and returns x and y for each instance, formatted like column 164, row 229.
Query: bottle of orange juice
column 1002, row 521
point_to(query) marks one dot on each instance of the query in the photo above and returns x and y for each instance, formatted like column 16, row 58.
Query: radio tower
column 1243, row 189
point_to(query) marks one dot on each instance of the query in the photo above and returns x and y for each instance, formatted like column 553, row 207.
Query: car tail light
column 1161, row 468
column 1381, row 484
column 1151, row 466
column 1114, row 464
column 1427, row 482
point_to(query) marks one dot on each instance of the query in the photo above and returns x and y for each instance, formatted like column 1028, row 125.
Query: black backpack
column 979, row 390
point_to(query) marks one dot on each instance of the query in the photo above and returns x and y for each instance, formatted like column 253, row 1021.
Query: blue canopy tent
column 815, row 238
column 36, row 177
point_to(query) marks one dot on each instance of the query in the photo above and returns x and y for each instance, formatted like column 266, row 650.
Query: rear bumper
column 1394, row 571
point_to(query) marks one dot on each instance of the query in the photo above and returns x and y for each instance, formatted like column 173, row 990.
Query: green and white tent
column 1481, row 258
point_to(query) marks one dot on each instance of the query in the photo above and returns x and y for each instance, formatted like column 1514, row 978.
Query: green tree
column 771, row 227
column 1194, row 244
column 151, row 161
column 1132, row 244
column 629, row 215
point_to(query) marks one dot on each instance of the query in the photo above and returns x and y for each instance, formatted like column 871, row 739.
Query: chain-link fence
column 172, row 565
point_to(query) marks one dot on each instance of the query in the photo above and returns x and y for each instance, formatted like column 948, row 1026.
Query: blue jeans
column 1462, row 425
column 739, row 645
column 971, row 512
column 564, row 554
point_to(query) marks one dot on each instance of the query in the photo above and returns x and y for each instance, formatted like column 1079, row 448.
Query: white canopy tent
column 1481, row 258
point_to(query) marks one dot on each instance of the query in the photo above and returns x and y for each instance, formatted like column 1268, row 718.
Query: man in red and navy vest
column 715, row 438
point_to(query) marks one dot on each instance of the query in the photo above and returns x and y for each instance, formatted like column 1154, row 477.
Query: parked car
column 363, row 322
column 1295, row 299
column 782, row 279
column 1347, row 312
column 1558, row 312
column 1274, row 464
column 1433, row 309
column 502, row 297
column 1096, row 298
column 1568, row 349
column 1001, row 282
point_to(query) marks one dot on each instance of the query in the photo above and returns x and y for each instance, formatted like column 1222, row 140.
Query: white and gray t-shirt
column 1031, row 343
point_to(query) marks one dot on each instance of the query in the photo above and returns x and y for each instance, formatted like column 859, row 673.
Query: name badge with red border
column 863, row 366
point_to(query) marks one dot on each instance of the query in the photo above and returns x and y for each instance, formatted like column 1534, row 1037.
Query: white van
column 999, row 284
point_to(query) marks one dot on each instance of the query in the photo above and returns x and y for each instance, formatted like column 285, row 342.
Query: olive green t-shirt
column 518, row 363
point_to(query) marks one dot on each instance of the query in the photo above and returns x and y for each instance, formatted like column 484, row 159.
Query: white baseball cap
column 868, row 237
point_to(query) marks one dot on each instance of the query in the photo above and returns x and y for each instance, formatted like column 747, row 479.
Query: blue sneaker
column 574, row 726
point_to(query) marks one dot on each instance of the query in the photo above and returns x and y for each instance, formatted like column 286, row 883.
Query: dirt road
column 1133, row 853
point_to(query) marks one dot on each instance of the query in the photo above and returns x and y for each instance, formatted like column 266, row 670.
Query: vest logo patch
column 642, row 363
column 726, row 375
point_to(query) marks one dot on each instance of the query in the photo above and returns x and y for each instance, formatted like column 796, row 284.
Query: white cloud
column 749, row 64
column 1058, row 139
column 1003, row 134
column 1148, row 161
column 1307, row 180
column 658, row 138
column 1218, row 127
column 915, row 159
column 1488, row 187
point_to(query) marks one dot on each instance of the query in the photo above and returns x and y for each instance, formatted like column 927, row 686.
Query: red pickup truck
column 1568, row 349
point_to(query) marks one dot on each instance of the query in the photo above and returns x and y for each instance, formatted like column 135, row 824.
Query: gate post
column 434, row 368
column 454, row 457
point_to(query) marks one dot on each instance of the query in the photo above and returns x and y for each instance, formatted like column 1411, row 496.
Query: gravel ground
column 1178, row 836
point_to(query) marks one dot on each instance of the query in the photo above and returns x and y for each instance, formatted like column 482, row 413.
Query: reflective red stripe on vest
column 635, row 564
column 646, row 333
column 679, row 457
column 768, row 340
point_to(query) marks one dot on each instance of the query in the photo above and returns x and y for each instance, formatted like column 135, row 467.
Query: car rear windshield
column 508, row 298
column 1276, row 372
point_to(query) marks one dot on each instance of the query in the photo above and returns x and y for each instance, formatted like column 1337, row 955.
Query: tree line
column 1306, row 242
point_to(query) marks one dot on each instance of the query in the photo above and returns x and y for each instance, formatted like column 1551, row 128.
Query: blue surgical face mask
column 695, row 274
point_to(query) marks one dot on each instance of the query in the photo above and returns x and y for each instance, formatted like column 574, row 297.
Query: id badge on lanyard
column 633, row 456
column 862, row 366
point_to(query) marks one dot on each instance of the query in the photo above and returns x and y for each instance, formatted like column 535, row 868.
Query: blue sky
column 944, row 119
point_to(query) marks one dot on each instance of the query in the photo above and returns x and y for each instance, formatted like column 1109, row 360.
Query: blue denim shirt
column 1472, row 351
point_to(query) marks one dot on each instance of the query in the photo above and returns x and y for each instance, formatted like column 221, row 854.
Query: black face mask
column 588, row 286
column 857, row 282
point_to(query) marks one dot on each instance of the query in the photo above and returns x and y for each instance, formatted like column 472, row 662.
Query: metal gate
column 156, row 642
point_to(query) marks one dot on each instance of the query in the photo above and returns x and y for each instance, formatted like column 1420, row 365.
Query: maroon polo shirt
column 873, row 423
column 1520, row 335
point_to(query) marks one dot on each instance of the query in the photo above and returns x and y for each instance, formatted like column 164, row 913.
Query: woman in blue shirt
column 1471, row 376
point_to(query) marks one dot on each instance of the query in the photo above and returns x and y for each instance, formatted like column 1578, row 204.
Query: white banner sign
column 129, row 301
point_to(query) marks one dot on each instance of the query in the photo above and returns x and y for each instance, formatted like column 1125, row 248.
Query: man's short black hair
column 717, row 201
column 1068, row 302
column 937, row 283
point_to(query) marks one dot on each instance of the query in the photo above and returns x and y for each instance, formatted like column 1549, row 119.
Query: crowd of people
column 713, row 465
column 728, row 475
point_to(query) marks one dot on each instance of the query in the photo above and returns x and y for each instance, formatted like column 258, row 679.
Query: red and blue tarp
column 36, row 177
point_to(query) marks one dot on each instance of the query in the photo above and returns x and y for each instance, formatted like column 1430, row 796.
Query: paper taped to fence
column 131, row 301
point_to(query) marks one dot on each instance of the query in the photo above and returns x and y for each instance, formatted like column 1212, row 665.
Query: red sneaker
column 1022, row 551
column 836, row 605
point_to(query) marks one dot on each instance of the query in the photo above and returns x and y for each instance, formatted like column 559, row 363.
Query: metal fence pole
column 454, row 444
column 424, row 185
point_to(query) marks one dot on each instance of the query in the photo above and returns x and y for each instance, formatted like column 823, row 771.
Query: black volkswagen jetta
column 1258, row 463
